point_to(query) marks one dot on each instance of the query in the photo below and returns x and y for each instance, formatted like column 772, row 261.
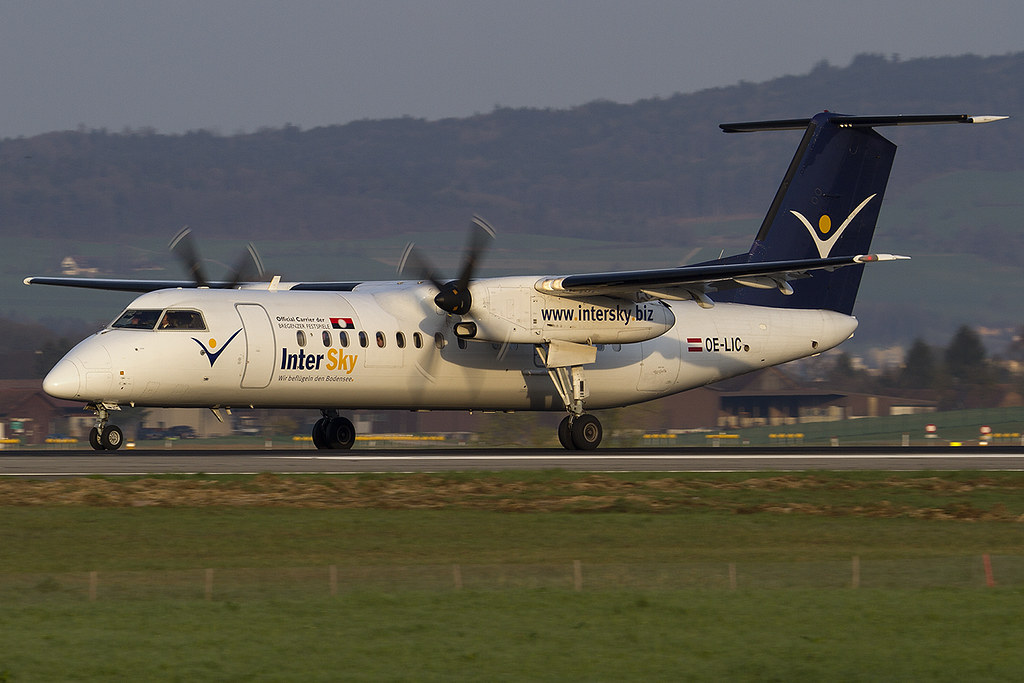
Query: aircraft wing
column 115, row 285
column 686, row 282
column 141, row 286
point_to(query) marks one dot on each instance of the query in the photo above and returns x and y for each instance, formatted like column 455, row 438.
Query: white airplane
column 568, row 343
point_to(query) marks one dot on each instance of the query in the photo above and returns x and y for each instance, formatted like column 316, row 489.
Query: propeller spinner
column 453, row 296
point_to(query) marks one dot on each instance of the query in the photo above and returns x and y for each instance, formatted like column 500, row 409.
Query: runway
column 49, row 464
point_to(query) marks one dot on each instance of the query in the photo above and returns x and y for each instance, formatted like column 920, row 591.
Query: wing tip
column 986, row 119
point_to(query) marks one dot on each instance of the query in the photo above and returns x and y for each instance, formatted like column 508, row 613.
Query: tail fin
column 827, row 205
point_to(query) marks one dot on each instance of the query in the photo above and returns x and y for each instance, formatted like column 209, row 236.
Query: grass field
column 937, row 635
column 922, row 610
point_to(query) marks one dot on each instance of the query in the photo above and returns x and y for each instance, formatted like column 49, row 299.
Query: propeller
column 248, row 268
column 184, row 247
column 452, row 296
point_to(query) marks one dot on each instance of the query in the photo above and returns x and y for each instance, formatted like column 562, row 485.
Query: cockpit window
column 137, row 319
column 182, row 320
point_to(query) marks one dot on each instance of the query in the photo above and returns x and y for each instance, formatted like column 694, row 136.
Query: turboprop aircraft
column 557, row 342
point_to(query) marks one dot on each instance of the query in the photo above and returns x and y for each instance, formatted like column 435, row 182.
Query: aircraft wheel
column 341, row 434
column 565, row 434
column 320, row 433
column 586, row 432
column 94, row 439
column 111, row 437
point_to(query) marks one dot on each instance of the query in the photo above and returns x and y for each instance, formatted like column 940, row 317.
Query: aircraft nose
column 63, row 381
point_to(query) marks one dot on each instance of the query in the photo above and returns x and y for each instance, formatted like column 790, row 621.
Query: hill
column 648, row 170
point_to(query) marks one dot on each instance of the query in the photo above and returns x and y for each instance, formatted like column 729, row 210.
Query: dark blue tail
column 827, row 205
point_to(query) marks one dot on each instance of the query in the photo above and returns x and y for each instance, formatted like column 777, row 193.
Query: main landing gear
column 580, row 432
column 104, row 437
column 333, row 431
column 564, row 362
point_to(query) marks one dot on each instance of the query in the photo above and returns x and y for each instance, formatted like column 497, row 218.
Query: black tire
column 111, row 437
column 320, row 434
column 340, row 433
column 565, row 434
column 94, row 440
column 586, row 432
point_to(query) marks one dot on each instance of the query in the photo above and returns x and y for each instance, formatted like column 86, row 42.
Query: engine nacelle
column 511, row 310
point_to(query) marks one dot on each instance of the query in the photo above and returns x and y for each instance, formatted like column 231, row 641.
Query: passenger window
column 300, row 337
column 136, row 319
column 462, row 343
column 327, row 339
column 364, row 341
column 380, row 339
column 417, row 340
column 439, row 341
column 343, row 338
column 400, row 339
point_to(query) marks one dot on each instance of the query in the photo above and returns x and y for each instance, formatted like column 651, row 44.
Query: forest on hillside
column 649, row 171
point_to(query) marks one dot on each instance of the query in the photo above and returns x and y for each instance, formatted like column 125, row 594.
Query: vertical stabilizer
column 827, row 205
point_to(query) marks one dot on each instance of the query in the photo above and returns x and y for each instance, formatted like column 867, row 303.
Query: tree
column 966, row 358
column 919, row 371
column 844, row 376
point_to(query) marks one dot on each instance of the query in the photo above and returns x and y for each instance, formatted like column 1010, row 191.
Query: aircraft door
column 259, row 346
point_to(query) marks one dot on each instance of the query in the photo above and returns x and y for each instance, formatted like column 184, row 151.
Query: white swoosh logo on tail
column 825, row 246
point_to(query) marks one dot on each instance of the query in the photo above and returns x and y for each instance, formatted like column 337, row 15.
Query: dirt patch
column 947, row 499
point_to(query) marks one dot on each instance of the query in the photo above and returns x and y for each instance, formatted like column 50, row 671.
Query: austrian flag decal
column 695, row 344
column 342, row 323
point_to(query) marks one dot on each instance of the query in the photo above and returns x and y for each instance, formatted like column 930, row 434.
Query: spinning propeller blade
column 248, row 267
column 453, row 296
column 184, row 247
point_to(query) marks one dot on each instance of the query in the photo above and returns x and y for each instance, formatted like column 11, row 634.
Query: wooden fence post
column 990, row 579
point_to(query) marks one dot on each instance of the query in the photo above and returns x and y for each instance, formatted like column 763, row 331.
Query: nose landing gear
column 104, row 437
column 108, row 438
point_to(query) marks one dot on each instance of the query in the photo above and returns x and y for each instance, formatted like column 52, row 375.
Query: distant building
column 28, row 414
column 770, row 397
column 69, row 266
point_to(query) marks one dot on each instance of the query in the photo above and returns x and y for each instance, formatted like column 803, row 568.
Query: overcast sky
column 232, row 65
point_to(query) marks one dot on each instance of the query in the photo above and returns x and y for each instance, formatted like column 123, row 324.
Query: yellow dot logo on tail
column 824, row 224
column 213, row 343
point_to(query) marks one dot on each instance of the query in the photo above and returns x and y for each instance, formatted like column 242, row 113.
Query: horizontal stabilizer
column 844, row 121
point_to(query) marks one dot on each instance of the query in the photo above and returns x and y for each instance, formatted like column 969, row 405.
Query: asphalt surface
column 47, row 464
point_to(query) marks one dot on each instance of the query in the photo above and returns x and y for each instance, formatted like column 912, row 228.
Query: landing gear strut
column 104, row 437
column 565, row 361
column 333, row 431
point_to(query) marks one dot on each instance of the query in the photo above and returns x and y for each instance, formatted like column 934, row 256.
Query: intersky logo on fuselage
column 336, row 360
column 212, row 355
column 824, row 244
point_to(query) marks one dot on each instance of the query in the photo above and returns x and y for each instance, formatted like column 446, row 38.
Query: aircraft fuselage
column 384, row 345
